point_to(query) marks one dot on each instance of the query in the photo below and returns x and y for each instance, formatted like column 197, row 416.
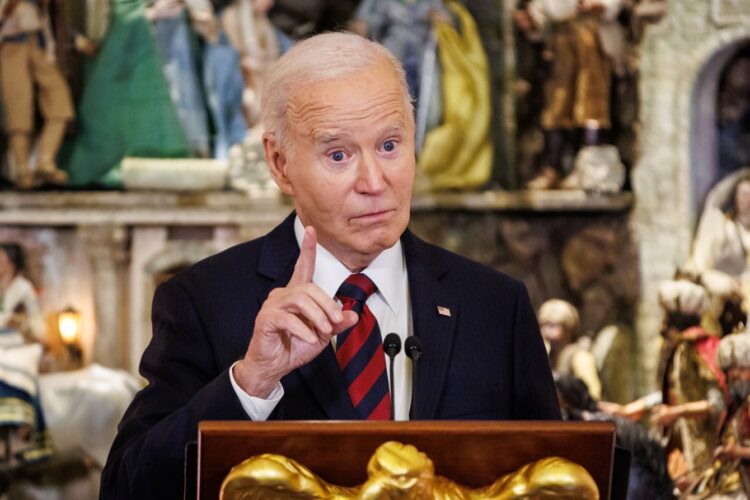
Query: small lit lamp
column 69, row 326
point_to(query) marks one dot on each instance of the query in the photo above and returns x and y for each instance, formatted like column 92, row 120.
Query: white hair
column 682, row 296
column 560, row 311
column 318, row 58
column 734, row 350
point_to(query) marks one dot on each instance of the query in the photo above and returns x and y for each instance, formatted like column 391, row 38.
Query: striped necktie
column 359, row 352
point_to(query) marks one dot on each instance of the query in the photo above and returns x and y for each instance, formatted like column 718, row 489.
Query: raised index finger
column 305, row 266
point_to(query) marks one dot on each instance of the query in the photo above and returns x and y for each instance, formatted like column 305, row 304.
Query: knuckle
column 287, row 323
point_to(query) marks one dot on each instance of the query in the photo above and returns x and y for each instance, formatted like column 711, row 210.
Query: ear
column 277, row 162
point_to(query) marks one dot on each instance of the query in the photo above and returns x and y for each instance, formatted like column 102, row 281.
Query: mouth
column 375, row 216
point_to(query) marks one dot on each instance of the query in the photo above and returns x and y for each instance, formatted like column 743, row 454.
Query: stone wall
column 677, row 63
column 104, row 253
column 588, row 259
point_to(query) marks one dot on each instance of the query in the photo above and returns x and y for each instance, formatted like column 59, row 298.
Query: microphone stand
column 413, row 347
column 392, row 346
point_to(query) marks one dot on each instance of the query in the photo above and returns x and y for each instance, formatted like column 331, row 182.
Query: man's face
column 742, row 198
column 5, row 265
column 738, row 379
column 350, row 167
column 554, row 333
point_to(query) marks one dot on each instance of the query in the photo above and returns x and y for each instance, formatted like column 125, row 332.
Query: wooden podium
column 472, row 453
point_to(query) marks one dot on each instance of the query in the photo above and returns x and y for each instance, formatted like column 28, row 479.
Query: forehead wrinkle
column 325, row 135
column 361, row 112
column 297, row 111
column 309, row 111
column 296, row 107
column 327, row 127
column 334, row 130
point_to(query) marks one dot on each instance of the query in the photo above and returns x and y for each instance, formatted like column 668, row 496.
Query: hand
column 723, row 451
column 731, row 452
column 206, row 25
column 633, row 411
column 438, row 16
column 665, row 415
column 166, row 9
column 293, row 326
column 85, row 45
column 611, row 408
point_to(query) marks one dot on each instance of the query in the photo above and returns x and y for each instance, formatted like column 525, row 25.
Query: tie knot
column 356, row 287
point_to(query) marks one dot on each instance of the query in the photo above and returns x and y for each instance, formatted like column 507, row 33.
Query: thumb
column 305, row 266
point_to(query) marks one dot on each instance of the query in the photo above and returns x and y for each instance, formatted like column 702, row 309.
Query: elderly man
column 303, row 308
column 728, row 477
column 693, row 385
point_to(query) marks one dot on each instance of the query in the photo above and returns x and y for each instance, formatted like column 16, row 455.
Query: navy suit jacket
column 485, row 361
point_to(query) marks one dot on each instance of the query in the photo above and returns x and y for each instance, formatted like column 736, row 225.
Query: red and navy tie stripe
column 359, row 352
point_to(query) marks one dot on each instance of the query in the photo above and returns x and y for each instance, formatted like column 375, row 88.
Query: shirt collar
column 387, row 271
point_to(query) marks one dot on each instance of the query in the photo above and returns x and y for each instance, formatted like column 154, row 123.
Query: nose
column 370, row 176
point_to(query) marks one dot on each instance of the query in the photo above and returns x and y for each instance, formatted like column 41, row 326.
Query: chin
column 388, row 236
column 374, row 245
column 370, row 241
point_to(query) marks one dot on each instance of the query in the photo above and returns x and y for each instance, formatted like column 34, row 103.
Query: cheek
column 314, row 188
column 402, row 179
column 330, row 201
column 551, row 332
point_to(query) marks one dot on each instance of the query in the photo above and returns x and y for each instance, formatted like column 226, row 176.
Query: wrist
column 254, row 382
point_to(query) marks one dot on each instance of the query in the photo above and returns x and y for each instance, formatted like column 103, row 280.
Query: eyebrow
column 399, row 127
column 329, row 136
column 326, row 137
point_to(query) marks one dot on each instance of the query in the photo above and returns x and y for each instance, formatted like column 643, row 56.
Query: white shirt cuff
column 257, row 409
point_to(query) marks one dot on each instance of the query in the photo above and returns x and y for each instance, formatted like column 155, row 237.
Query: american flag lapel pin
column 444, row 311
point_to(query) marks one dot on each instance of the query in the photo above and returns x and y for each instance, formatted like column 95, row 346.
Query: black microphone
column 413, row 347
column 392, row 346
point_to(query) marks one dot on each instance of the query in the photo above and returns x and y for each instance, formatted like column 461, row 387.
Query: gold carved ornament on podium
column 399, row 471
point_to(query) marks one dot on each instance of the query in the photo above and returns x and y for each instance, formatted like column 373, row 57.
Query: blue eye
column 389, row 145
column 337, row 156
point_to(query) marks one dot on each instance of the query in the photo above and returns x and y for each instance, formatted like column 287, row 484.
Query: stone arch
column 174, row 254
column 673, row 56
column 177, row 254
column 704, row 67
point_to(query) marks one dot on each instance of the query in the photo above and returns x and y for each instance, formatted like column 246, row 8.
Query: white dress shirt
column 389, row 304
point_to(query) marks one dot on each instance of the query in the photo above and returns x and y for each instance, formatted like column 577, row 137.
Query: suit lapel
column 432, row 325
column 322, row 375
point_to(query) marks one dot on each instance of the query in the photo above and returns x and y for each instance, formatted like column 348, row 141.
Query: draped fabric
column 458, row 153
column 177, row 46
column 125, row 109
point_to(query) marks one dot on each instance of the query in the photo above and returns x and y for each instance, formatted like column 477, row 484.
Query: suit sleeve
column 185, row 386
column 535, row 393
